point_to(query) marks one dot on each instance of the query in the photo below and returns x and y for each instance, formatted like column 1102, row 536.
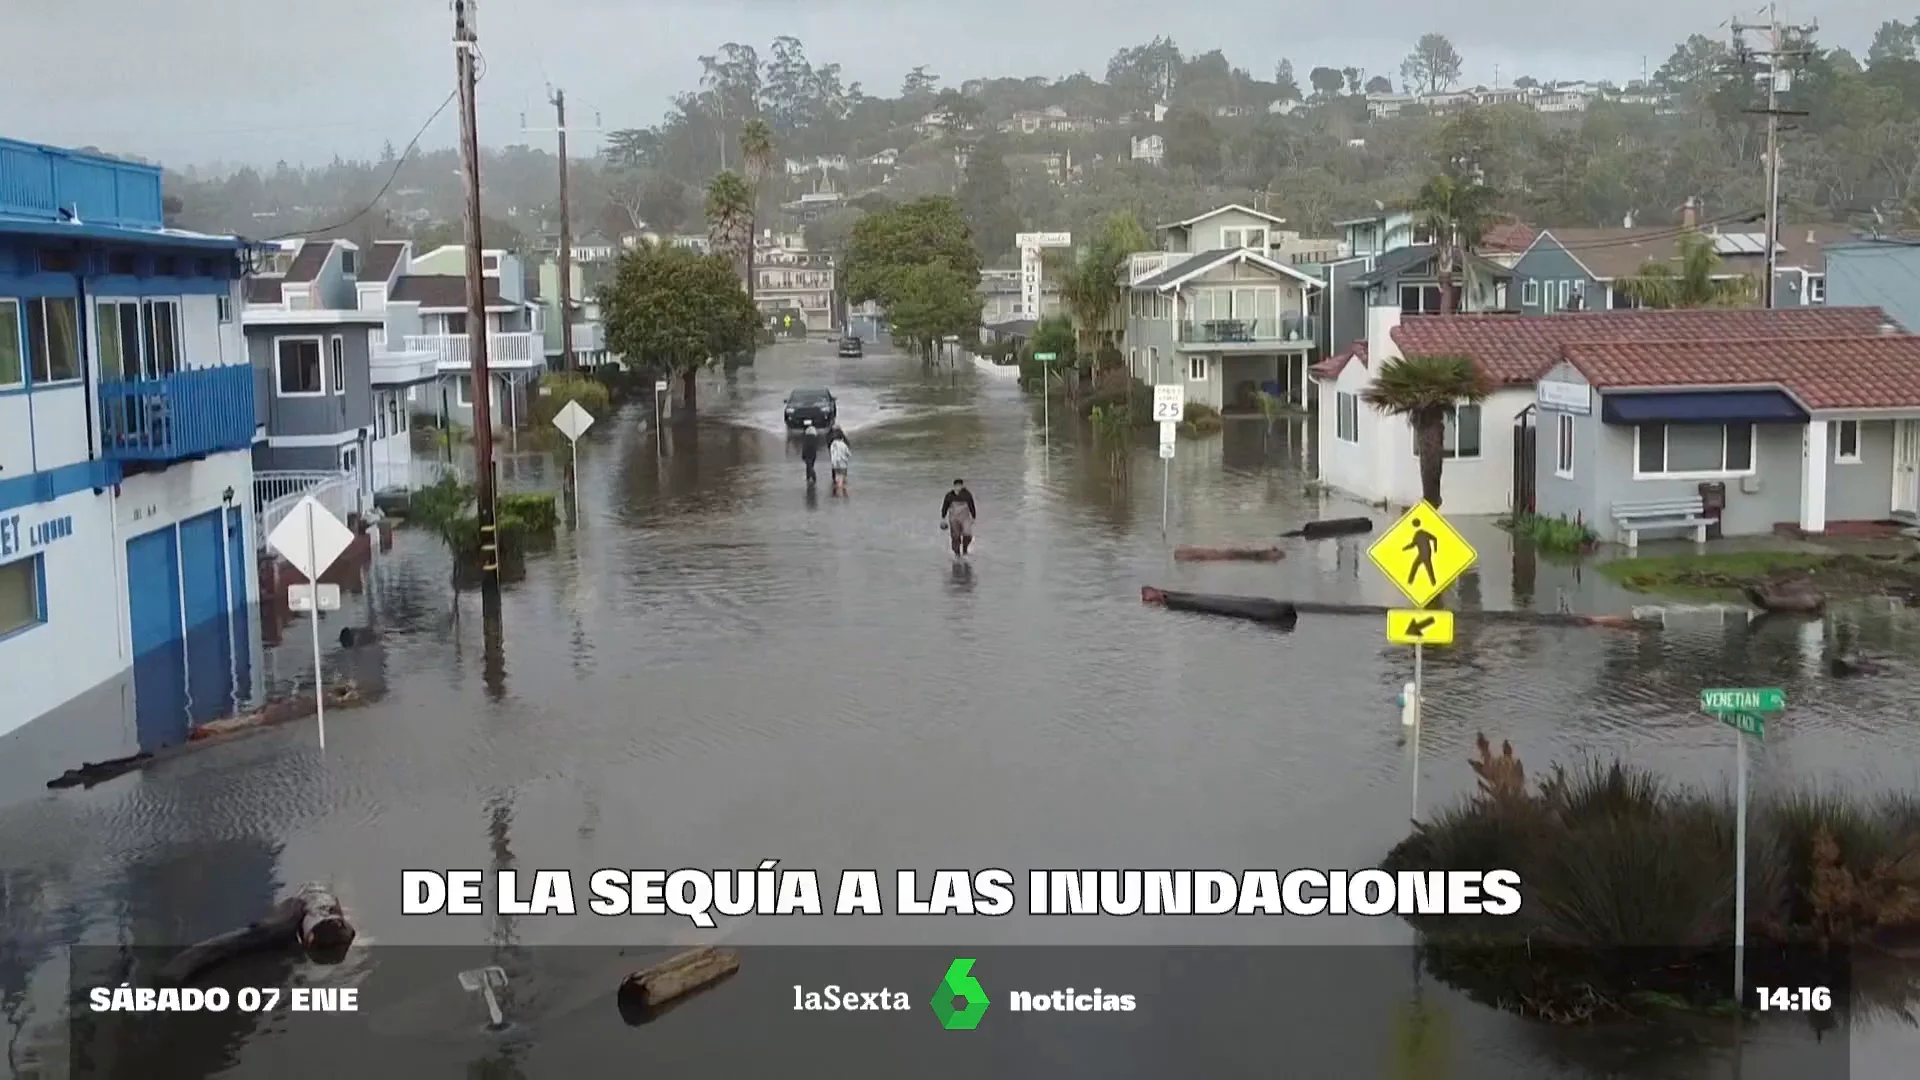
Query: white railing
column 1143, row 264
column 451, row 351
column 276, row 493
column 400, row 368
column 589, row 336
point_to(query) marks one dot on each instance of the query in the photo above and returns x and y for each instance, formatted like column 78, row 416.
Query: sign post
column 1045, row 360
column 1744, row 710
column 659, row 415
column 1422, row 555
column 573, row 422
column 311, row 538
column 1169, row 408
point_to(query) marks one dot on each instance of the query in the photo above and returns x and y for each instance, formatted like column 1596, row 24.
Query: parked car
column 850, row 346
column 815, row 406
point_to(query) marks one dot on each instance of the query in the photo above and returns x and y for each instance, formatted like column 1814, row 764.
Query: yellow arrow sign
column 1422, row 554
column 1429, row 627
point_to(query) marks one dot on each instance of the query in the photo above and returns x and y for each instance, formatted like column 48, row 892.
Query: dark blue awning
column 1702, row 407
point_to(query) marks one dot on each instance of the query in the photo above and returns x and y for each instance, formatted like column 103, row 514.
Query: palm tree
column 1694, row 283
column 1425, row 390
column 756, row 155
column 730, row 218
column 1092, row 287
column 1460, row 212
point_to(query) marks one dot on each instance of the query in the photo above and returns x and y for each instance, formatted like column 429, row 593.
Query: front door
column 1906, row 467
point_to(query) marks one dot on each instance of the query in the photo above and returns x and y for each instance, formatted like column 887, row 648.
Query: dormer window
column 348, row 264
column 1422, row 233
column 1253, row 237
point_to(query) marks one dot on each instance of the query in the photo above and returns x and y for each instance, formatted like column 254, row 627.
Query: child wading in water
column 839, row 455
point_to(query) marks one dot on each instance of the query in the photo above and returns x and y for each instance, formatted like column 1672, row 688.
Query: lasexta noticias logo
column 960, row 1001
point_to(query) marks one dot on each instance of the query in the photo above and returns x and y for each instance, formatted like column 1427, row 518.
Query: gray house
column 1875, row 273
column 1392, row 262
column 1805, row 420
column 1576, row 269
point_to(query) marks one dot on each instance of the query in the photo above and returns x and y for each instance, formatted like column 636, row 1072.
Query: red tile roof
column 1881, row 372
column 1507, row 236
column 1518, row 349
column 1332, row 366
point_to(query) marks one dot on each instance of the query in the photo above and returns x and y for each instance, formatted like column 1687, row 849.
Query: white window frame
column 150, row 360
column 1816, row 289
column 19, row 342
column 46, row 332
column 1242, row 237
column 1346, row 417
column 1453, row 429
column 1566, row 294
column 1530, row 293
column 223, row 308
column 1753, row 451
column 35, row 567
column 1423, row 299
column 279, row 374
column 463, row 393
column 337, row 364
column 1563, row 436
column 1197, row 368
column 1840, row 455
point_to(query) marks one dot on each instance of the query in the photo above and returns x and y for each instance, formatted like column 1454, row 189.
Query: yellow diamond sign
column 1422, row 554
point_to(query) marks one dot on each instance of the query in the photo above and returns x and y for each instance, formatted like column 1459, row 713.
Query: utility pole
column 465, row 51
column 558, row 98
column 1784, row 43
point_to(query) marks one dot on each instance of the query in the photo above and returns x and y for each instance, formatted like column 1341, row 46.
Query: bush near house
column 1200, row 419
column 1555, row 535
column 1626, row 886
column 1117, row 388
column 561, row 387
column 535, row 513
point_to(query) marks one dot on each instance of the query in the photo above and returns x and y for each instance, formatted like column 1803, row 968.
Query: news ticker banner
column 887, row 1012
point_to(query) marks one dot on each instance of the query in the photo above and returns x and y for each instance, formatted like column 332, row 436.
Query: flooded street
column 717, row 667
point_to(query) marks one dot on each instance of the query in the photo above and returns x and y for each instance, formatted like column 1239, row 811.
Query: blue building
column 126, row 428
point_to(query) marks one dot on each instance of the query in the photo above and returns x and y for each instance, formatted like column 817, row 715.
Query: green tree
column 1092, row 287
column 932, row 302
column 678, row 310
column 1286, row 87
column 730, row 220
column 986, row 198
column 1192, row 143
column 1326, row 81
column 756, row 153
column 1055, row 334
column 1460, row 212
column 1425, row 391
column 1432, row 66
column 886, row 243
column 1695, row 282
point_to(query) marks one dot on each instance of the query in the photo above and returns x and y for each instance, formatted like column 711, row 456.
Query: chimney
column 1690, row 213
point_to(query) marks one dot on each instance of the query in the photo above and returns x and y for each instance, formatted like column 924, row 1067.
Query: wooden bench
column 1679, row 513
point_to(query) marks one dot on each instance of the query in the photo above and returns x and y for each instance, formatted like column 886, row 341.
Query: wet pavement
column 717, row 667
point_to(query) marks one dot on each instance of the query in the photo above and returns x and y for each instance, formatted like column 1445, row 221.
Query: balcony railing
column 1285, row 330
column 589, row 337
column 402, row 368
column 184, row 415
column 515, row 349
column 276, row 493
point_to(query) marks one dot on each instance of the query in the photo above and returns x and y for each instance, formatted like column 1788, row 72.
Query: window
column 457, row 324
column 1462, row 437
column 161, row 319
column 1816, row 289
column 1563, row 454
column 1346, row 423
column 1692, row 450
column 463, row 392
column 223, row 306
column 1422, row 233
column 1530, row 293
column 346, row 261
column 337, row 363
column 1566, row 294
column 53, row 339
column 1420, row 299
column 11, row 373
column 1196, row 369
column 490, row 262
column 1255, row 238
column 117, row 322
column 297, row 365
column 1846, row 442
column 349, row 458
column 23, row 595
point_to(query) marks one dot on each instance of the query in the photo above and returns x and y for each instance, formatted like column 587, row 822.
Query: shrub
column 559, row 388
column 535, row 513
column 1117, row 389
column 1557, row 535
column 1200, row 419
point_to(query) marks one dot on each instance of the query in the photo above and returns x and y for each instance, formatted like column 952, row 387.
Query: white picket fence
column 277, row 492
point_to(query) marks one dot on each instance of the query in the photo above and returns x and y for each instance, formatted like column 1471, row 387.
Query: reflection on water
column 713, row 669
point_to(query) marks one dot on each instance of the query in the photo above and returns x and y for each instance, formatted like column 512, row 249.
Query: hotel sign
column 17, row 539
column 1564, row 397
column 1029, row 245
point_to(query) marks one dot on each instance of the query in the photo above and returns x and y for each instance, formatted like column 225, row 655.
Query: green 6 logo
column 958, row 984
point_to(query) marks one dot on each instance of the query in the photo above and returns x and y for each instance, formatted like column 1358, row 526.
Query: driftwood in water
column 1331, row 527
column 1251, row 608
column 98, row 772
column 1191, row 553
column 313, row 920
column 340, row 696
column 1790, row 598
column 1842, row 666
column 1220, row 604
column 677, row 976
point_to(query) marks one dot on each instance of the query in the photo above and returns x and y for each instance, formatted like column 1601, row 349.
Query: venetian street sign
column 1753, row 699
column 1422, row 554
column 1046, row 357
column 1746, row 723
column 1424, row 627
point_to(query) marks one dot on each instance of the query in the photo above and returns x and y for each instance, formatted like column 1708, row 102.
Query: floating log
column 1331, row 527
column 352, row 637
column 278, row 712
column 1232, row 605
column 1787, row 599
column 1251, row 608
column 1842, row 666
column 677, row 976
column 312, row 920
column 1190, row 553
column 97, row 772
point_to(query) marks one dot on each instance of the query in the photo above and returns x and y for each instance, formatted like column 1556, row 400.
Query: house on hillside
column 1762, row 434
column 1490, row 447
column 1576, row 269
column 791, row 280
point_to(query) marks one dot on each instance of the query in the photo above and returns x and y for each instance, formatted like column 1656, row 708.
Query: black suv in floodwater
column 811, row 406
column 850, row 346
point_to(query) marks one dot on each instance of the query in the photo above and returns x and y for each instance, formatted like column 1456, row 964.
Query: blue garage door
column 159, row 655
column 203, row 596
column 237, row 555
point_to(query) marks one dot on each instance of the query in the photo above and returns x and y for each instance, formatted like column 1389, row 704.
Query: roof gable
column 1217, row 211
column 1182, row 272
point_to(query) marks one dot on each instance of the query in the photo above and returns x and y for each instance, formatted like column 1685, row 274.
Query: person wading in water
column 957, row 513
column 810, row 450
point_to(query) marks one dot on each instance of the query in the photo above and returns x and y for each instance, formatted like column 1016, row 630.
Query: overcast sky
column 258, row 80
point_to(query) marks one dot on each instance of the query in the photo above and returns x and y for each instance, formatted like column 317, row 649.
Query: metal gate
column 1526, row 465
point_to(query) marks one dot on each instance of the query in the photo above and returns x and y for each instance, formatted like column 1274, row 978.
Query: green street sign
column 1745, row 723
column 1046, row 357
column 1744, row 699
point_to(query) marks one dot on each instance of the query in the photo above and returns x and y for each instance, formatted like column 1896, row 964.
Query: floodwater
column 717, row 667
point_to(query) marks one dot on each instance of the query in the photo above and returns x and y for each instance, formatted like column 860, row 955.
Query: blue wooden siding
column 39, row 181
column 183, row 415
column 1546, row 264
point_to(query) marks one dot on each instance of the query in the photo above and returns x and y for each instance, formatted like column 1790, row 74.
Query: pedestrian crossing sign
column 1422, row 554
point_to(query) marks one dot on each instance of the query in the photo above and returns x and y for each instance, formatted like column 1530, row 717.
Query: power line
column 1663, row 233
column 1779, row 39
column 412, row 144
